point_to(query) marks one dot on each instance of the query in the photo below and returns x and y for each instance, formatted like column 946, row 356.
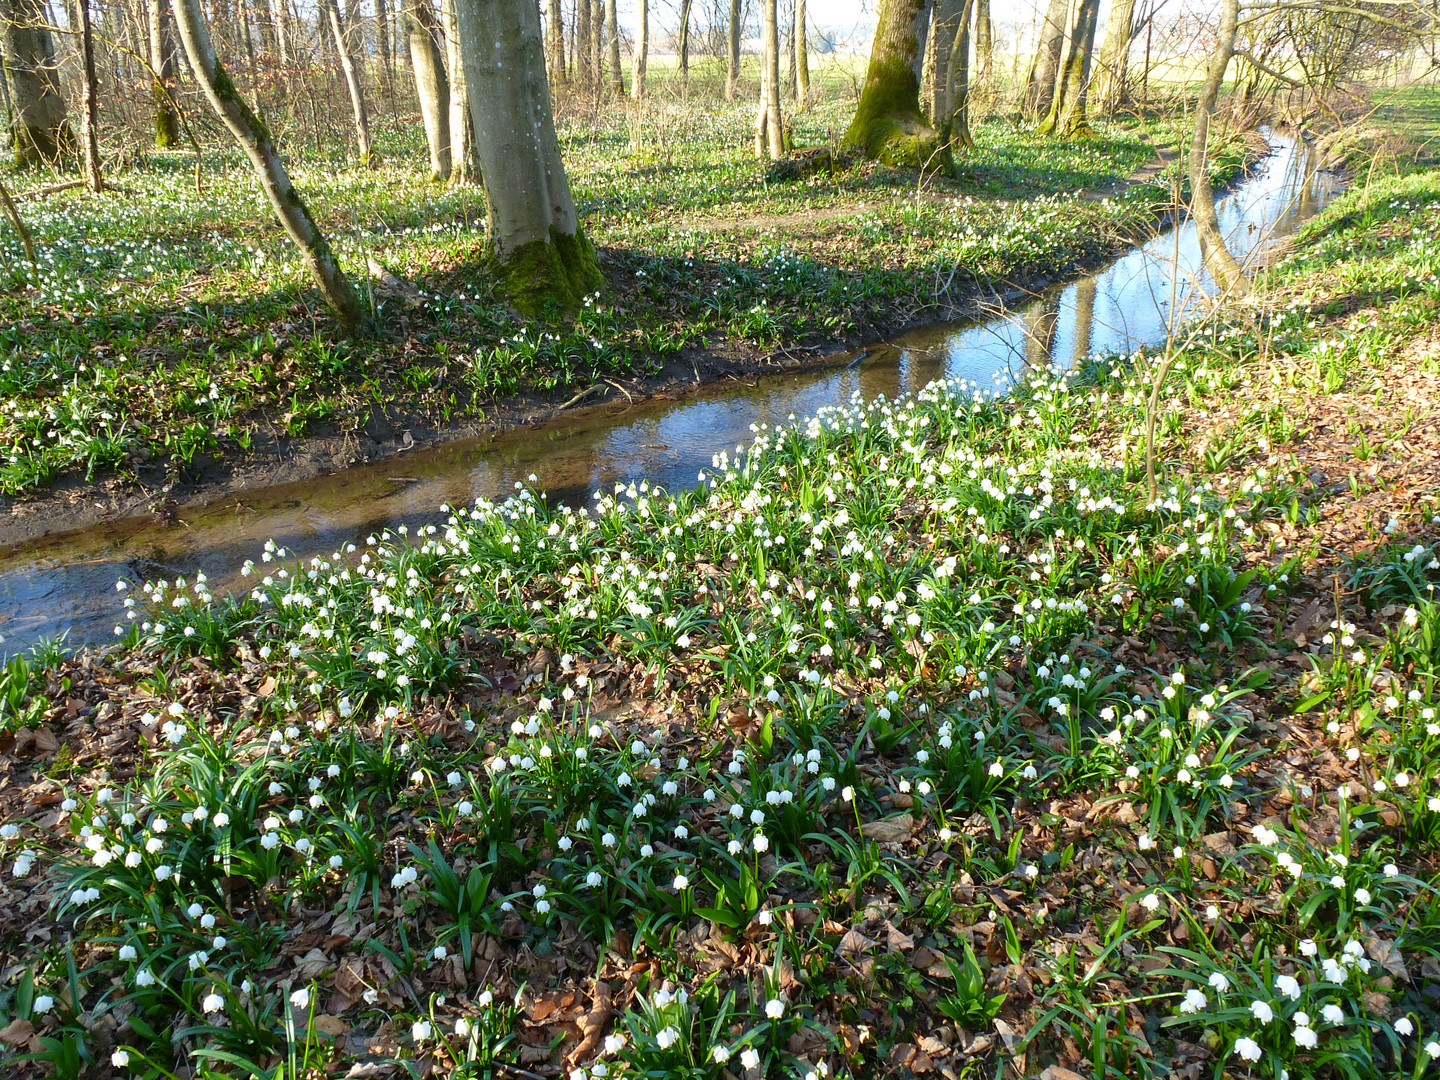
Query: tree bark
column 1218, row 260
column 956, row 114
column 163, row 85
column 538, row 248
column 352, row 82
column 802, row 56
column 1040, row 86
column 431, row 86
column 642, row 49
column 685, row 40
column 1067, row 108
column 18, row 224
column 889, row 126
column 984, row 41
column 89, row 105
column 464, row 162
column 254, row 139
column 769, row 124
column 584, row 57
column 612, row 38
column 597, row 45
column 1115, row 56
column 41, row 134
column 732, row 54
column 555, row 43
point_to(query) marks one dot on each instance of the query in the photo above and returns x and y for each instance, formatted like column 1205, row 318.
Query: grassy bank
column 916, row 738
column 166, row 329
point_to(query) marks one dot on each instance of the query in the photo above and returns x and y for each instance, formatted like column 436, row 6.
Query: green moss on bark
column 558, row 271
column 888, row 125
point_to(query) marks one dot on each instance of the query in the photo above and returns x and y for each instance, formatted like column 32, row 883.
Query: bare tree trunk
column 597, row 44
column 464, row 164
column 1040, row 86
column 802, row 56
column 889, row 126
column 163, row 85
column 282, row 31
column 42, row 134
column 984, row 41
column 352, row 82
column 555, row 43
column 382, row 36
column 1218, row 260
column 685, row 41
column 957, row 80
column 642, row 49
column 732, row 55
column 1067, row 108
column 255, row 141
column 89, row 105
column 539, row 250
column 769, row 135
column 1115, row 56
column 16, row 222
column 431, row 87
column 612, row 38
column 584, row 67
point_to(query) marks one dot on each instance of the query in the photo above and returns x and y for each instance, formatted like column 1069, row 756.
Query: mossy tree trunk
column 769, row 123
column 612, row 39
column 89, row 103
column 464, row 161
column 255, row 141
column 1110, row 92
column 802, row 56
column 41, row 134
column 1218, row 260
column 163, row 85
column 732, row 51
column 1049, row 44
column 888, row 126
column 352, row 82
column 1066, row 117
column 642, row 53
column 431, row 86
column 540, row 253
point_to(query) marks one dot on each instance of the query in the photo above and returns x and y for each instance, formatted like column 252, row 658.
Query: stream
column 65, row 583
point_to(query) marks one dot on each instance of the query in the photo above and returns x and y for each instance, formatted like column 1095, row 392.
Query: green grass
column 169, row 327
column 915, row 712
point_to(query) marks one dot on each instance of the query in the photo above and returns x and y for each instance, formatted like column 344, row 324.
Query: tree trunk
column 41, row 134
column 255, row 141
column 732, row 54
column 802, row 56
column 769, row 129
column 89, row 106
column 612, row 38
column 352, row 82
column 1067, row 108
column 1050, row 43
column 163, row 85
column 382, row 36
column 282, row 32
column 431, row 87
column 1115, row 56
column 597, row 44
column 642, row 49
column 555, row 43
column 584, row 70
column 539, row 250
column 685, row 40
column 984, row 41
column 464, row 164
column 956, row 114
column 1218, row 260
column 889, row 126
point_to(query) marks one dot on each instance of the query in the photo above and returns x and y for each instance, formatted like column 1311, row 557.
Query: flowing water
column 65, row 583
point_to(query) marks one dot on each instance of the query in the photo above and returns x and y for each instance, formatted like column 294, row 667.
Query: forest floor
column 919, row 741
column 170, row 344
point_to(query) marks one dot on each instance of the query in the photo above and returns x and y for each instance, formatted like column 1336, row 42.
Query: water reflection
column 66, row 582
